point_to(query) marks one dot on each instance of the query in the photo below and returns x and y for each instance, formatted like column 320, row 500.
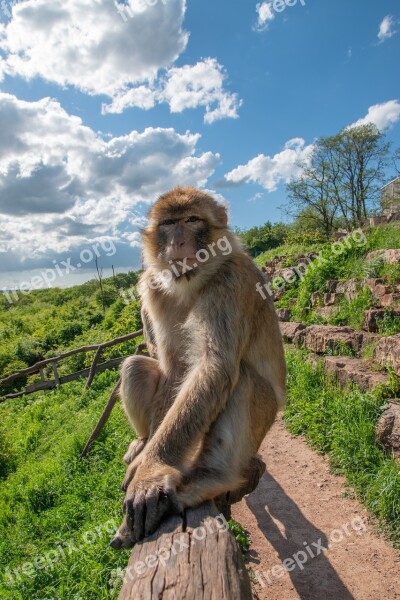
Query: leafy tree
column 342, row 179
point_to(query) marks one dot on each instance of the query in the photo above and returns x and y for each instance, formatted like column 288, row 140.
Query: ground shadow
column 316, row 579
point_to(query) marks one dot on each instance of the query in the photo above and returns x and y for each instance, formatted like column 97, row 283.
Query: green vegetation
column 241, row 535
column 58, row 512
column 342, row 424
column 55, row 508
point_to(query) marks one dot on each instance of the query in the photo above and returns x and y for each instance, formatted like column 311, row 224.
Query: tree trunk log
column 190, row 558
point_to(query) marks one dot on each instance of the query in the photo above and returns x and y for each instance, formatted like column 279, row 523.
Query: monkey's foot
column 135, row 448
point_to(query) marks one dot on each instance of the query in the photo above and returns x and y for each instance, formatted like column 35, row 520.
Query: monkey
column 203, row 401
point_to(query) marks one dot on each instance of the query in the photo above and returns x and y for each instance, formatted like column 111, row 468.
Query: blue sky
column 99, row 114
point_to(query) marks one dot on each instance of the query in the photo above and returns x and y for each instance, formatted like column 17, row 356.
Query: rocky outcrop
column 383, row 295
column 326, row 338
column 289, row 330
column 392, row 256
column 349, row 370
column 387, row 353
column 388, row 429
column 374, row 315
column 284, row 314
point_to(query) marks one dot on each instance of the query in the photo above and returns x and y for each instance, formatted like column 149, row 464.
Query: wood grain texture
column 190, row 558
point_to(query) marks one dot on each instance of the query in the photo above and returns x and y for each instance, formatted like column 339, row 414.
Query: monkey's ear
column 222, row 215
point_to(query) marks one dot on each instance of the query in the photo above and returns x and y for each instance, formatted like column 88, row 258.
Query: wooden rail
column 53, row 362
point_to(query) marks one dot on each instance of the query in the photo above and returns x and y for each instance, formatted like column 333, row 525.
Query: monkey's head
column 187, row 229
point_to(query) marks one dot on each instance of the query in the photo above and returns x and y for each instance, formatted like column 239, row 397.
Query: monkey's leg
column 143, row 400
column 232, row 441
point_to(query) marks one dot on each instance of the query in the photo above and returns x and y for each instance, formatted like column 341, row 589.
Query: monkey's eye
column 193, row 219
column 168, row 222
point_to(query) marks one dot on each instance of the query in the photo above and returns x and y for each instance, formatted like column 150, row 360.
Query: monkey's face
column 181, row 237
column 184, row 225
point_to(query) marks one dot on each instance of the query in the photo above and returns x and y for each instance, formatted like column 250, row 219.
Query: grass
column 341, row 423
column 52, row 499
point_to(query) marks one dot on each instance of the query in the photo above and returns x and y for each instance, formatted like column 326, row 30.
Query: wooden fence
column 53, row 362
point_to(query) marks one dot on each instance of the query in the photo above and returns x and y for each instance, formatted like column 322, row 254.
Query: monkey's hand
column 150, row 496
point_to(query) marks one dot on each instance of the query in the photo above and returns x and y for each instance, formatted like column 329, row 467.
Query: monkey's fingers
column 157, row 506
column 135, row 448
column 130, row 474
column 139, row 509
column 124, row 538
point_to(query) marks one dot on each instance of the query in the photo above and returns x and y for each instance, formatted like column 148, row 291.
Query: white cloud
column 201, row 85
column 184, row 87
column 86, row 44
column 270, row 171
column 265, row 14
column 382, row 115
column 387, row 28
column 61, row 184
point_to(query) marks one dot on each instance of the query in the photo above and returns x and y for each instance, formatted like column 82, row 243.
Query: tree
column 311, row 196
column 342, row 179
column 357, row 157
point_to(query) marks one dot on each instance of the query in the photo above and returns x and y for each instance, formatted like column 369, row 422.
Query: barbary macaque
column 204, row 399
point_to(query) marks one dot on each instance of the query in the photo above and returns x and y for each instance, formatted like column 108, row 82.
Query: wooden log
column 108, row 409
column 191, row 558
column 103, row 419
column 92, row 371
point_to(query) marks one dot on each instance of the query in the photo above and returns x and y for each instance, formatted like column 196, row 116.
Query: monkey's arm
column 219, row 335
column 149, row 333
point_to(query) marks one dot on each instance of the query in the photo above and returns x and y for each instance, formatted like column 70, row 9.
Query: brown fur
column 207, row 401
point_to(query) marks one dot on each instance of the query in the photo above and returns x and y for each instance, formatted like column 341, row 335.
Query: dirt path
column 299, row 507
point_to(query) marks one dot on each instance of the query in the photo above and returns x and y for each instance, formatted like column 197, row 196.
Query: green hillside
column 58, row 512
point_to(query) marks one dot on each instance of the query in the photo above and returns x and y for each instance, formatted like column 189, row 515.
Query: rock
column 284, row 314
column 350, row 289
column 389, row 300
column 372, row 316
column 289, row 330
column 369, row 338
column 331, row 286
column 388, row 428
column 354, row 370
column 332, row 299
column 325, row 338
column 392, row 256
column 387, row 352
column 378, row 220
column 326, row 312
column 315, row 298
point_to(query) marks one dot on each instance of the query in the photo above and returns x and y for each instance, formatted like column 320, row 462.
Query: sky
column 105, row 105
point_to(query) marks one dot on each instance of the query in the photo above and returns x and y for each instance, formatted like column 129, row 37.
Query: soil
column 304, row 515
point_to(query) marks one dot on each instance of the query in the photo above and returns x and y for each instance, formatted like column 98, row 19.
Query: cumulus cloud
column 62, row 184
column 86, row 44
column 270, row 171
column 190, row 86
column 387, row 28
column 265, row 15
column 382, row 115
